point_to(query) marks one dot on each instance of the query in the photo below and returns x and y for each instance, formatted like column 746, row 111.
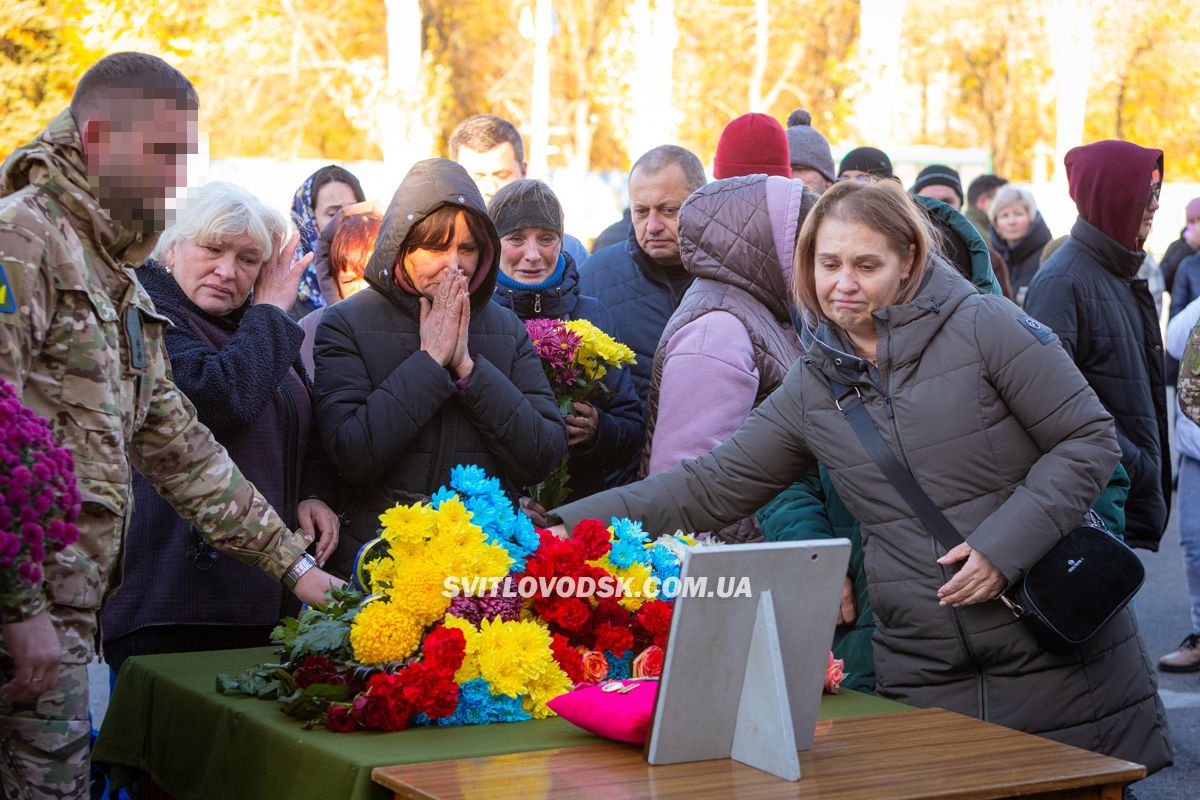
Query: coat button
column 410, row 216
column 837, row 361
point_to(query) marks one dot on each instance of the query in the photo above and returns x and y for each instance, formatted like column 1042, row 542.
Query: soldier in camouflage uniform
column 81, row 342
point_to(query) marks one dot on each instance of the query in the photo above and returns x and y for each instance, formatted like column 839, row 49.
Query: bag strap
column 849, row 402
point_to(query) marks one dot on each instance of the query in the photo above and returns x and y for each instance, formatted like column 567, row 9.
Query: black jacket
column 1023, row 256
column 391, row 418
column 620, row 433
column 1088, row 292
column 243, row 374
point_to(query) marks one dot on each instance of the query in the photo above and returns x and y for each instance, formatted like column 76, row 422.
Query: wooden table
column 919, row 754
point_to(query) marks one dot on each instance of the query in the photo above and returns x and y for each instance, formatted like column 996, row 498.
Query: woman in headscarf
column 322, row 195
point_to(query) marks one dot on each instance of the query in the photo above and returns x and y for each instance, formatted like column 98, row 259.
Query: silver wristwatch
column 297, row 570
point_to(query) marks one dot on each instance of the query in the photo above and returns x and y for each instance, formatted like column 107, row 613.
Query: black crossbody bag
column 1067, row 596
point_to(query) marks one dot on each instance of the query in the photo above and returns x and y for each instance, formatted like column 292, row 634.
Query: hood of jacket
column 965, row 246
column 428, row 186
column 907, row 328
column 1110, row 184
column 550, row 302
column 54, row 162
column 742, row 231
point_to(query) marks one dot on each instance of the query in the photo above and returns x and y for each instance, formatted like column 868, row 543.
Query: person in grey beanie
column 812, row 160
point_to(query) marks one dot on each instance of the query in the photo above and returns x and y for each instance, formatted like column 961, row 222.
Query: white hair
column 1008, row 195
column 219, row 210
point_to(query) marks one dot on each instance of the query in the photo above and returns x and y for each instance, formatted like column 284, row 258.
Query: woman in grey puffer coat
column 1000, row 429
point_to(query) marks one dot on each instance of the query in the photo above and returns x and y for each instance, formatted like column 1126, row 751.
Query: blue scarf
column 309, row 294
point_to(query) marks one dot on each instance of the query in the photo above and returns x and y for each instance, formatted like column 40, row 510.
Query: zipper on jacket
column 959, row 629
column 537, row 302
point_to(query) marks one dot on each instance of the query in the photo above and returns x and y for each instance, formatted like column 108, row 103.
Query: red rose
column 595, row 666
column 340, row 720
column 649, row 664
column 592, row 538
column 370, row 711
column 834, row 671
column 617, row 641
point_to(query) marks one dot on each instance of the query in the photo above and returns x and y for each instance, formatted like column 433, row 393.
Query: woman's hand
column 847, row 608
column 278, row 281
column 462, row 364
column 535, row 511
column 441, row 318
column 560, row 531
column 313, row 585
column 583, row 424
column 977, row 582
column 319, row 521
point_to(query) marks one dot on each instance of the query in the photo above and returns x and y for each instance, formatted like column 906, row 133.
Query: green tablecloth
column 167, row 719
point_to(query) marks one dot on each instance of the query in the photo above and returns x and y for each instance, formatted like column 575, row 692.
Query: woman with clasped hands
column 224, row 276
column 999, row 428
column 419, row 372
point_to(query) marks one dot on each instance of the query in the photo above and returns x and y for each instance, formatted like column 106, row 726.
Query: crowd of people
column 243, row 402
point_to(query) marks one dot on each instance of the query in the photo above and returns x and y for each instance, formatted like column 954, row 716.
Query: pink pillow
column 623, row 716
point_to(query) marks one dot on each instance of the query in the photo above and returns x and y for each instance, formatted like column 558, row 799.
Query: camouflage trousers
column 44, row 742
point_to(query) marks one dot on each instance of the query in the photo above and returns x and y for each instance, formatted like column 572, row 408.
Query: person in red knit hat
column 753, row 144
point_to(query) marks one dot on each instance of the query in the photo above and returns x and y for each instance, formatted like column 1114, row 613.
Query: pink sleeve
column 708, row 387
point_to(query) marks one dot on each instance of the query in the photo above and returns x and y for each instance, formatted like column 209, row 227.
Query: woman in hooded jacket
column 420, row 372
column 538, row 280
column 999, row 428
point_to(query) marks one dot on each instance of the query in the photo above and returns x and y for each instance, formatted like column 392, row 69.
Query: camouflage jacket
column 83, row 346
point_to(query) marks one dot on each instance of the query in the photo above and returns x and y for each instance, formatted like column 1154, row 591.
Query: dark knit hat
column 752, row 144
column 867, row 159
column 939, row 175
column 525, row 203
column 808, row 147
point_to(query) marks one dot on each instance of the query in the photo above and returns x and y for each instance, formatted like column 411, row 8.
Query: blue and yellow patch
column 8, row 300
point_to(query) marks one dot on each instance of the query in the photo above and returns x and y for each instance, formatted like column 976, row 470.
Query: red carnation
column 655, row 619
column 431, row 691
column 617, row 641
column 317, row 669
column 592, row 537
column 396, row 708
column 444, row 649
column 567, row 657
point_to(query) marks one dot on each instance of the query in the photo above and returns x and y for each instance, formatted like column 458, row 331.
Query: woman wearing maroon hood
column 1089, row 293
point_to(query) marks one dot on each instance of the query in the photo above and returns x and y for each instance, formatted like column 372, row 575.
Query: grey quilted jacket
column 1006, row 436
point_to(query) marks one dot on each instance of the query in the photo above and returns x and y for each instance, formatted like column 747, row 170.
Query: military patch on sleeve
column 1042, row 333
column 8, row 299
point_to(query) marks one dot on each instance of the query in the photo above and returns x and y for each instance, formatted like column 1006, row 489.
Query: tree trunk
column 405, row 132
column 655, row 38
column 1071, row 33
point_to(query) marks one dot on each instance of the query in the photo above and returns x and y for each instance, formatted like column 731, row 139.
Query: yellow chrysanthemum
column 384, row 631
column 412, row 523
column 470, row 666
column 380, row 573
column 597, row 350
column 419, row 585
column 639, row 575
column 552, row 683
column 512, row 655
